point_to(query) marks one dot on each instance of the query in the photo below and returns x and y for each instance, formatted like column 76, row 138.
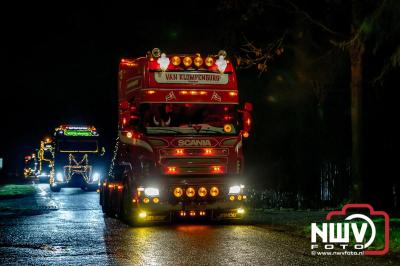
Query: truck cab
column 45, row 158
column 78, row 158
column 179, row 150
column 30, row 166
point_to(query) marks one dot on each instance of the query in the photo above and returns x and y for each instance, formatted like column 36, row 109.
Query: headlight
column 151, row 191
column 95, row 177
column 234, row 190
column 59, row 177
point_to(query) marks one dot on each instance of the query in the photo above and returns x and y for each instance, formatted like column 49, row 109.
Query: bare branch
column 313, row 21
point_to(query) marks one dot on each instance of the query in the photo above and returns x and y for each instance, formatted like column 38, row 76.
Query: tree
column 354, row 27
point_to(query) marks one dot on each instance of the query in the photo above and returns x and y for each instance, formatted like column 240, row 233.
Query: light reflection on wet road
column 77, row 233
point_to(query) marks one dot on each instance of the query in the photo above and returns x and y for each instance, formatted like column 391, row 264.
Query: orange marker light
column 233, row 93
column 151, row 92
column 183, row 92
column 179, row 152
column 208, row 151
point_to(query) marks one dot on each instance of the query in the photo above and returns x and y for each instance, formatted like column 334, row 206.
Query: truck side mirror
column 248, row 106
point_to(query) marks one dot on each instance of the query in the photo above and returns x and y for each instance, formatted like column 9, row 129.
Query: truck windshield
column 204, row 119
column 77, row 145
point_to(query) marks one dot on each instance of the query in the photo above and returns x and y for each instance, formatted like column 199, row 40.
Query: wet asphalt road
column 70, row 229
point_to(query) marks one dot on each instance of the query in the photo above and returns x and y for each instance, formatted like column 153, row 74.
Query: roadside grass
column 16, row 191
column 394, row 234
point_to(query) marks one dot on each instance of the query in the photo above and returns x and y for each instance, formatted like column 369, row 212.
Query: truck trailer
column 179, row 151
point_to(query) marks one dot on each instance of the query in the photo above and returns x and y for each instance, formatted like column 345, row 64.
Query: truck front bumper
column 165, row 211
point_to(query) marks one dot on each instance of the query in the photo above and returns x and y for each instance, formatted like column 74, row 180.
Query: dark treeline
column 324, row 105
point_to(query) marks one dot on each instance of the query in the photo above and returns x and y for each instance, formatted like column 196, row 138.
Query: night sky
column 60, row 62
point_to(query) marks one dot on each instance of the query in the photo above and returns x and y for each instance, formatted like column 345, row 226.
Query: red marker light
column 171, row 170
column 217, row 169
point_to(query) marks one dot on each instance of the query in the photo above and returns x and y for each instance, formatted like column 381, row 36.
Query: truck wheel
column 55, row 188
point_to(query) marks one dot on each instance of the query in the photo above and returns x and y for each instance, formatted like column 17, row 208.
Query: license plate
column 155, row 217
column 228, row 215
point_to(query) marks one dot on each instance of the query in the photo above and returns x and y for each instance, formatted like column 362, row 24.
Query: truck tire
column 126, row 210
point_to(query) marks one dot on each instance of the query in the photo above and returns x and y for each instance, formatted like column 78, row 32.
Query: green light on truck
column 78, row 133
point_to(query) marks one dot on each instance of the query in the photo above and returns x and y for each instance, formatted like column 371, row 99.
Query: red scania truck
column 179, row 150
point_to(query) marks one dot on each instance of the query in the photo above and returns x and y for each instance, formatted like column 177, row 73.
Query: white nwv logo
column 340, row 232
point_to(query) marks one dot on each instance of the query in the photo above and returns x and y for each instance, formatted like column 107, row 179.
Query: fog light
column 209, row 61
column 156, row 200
column 146, row 200
column 142, row 214
column 214, row 191
column 190, row 192
column 176, row 60
column 182, row 213
column 240, row 210
column 198, row 61
column 202, row 192
column 239, row 197
column 232, row 198
column 187, row 61
column 178, row 192
column 192, row 213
